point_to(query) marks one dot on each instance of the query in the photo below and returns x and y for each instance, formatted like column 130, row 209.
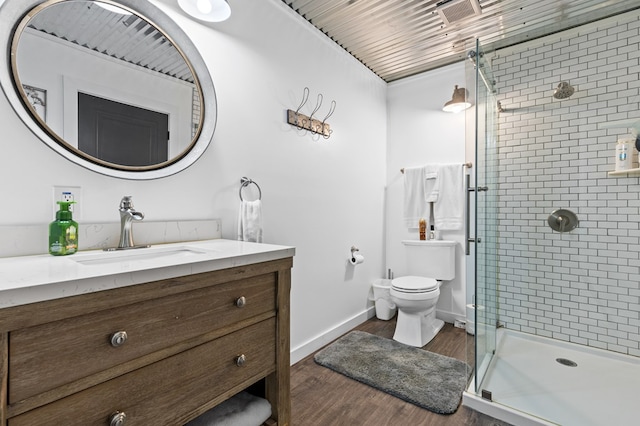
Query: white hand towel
column 415, row 206
column 448, row 211
column 239, row 410
column 431, row 187
column 250, row 221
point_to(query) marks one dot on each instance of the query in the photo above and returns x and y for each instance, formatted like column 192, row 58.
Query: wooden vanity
column 153, row 353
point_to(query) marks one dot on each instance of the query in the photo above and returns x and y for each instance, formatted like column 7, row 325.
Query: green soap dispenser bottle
column 63, row 232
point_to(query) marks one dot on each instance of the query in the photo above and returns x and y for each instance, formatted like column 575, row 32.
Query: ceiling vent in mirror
column 452, row 11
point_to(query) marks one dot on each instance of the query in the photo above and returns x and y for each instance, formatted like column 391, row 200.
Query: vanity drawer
column 44, row 357
column 164, row 392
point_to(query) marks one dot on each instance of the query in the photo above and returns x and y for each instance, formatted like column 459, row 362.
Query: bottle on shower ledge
column 624, row 153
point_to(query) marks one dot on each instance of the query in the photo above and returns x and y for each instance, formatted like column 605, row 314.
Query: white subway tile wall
column 581, row 286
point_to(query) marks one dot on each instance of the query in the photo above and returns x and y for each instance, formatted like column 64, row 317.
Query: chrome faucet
column 127, row 215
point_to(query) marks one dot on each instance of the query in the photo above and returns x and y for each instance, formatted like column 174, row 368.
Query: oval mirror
column 116, row 87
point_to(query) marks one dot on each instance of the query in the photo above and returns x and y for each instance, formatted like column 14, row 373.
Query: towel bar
column 467, row 165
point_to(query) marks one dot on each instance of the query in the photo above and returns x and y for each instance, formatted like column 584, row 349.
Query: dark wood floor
column 322, row 397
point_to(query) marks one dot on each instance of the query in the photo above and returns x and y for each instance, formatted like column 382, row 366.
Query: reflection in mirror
column 107, row 85
column 37, row 98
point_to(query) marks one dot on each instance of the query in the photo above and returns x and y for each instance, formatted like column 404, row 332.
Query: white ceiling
column 399, row 38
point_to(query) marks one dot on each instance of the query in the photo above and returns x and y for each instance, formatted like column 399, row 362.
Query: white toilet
column 429, row 263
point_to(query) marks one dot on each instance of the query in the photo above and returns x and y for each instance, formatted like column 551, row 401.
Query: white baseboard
column 318, row 342
column 449, row 317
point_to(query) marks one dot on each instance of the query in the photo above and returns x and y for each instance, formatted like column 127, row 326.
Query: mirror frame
column 14, row 11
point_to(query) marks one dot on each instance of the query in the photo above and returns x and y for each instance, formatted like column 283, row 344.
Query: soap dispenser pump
column 63, row 232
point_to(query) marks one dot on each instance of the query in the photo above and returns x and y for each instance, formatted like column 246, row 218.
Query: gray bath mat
column 423, row 378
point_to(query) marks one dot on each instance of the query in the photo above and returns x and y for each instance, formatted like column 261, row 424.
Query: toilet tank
column 431, row 258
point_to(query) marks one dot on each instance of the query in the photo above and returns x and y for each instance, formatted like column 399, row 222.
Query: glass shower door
column 484, row 193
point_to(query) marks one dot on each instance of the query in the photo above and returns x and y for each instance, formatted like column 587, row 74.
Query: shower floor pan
column 533, row 381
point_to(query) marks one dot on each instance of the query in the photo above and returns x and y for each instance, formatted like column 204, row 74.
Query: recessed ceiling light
column 207, row 10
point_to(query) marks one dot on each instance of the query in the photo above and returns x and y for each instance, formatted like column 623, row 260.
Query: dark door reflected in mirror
column 120, row 133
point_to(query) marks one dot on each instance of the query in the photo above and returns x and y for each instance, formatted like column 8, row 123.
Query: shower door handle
column 469, row 190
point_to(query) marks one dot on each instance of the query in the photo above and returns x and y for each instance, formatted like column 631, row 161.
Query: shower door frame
column 484, row 191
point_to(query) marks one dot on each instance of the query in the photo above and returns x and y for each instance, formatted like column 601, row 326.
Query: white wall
column 321, row 196
column 418, row 133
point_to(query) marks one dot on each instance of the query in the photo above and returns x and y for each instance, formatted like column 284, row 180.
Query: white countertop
column 29, row 279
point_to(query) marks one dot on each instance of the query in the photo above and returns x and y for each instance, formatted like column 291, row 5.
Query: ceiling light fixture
column 458, row 101
column 207, row 10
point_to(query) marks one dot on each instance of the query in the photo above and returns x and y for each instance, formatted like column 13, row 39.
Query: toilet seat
column 413, row 284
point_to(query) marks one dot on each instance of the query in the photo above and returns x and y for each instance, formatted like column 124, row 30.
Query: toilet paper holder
column 355, row 259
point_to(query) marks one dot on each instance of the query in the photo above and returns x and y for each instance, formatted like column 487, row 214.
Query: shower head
column 563, row 91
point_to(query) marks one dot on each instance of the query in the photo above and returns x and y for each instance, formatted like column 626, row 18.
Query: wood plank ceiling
column 400, row 38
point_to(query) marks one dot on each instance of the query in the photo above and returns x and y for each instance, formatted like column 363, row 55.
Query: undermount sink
column 141, row 254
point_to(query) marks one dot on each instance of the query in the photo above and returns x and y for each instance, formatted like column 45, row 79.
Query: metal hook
column 332, row 109
column 305, row 98
column 318, row 105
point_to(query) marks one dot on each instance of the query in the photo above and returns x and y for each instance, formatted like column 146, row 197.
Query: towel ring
column 244, row 182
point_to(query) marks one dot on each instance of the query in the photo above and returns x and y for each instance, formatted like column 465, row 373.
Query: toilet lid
column 413, row 284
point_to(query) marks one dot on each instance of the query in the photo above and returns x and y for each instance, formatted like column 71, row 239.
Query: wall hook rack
column 304, row 122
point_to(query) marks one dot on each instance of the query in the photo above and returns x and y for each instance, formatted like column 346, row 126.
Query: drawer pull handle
column 118, row 419
column 241, row 302
column 118, row 339
column 241, row 360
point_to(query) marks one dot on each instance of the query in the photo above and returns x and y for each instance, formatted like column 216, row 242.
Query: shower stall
column 556, row 314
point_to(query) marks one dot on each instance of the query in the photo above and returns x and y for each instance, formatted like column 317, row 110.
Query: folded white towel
column 242, row 409
column 448, row 210
column 250, row 221
column 431, row 187
column 415, row 206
